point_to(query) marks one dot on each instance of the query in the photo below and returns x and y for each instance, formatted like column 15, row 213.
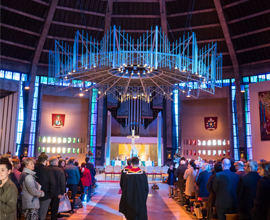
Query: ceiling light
column 81, row 94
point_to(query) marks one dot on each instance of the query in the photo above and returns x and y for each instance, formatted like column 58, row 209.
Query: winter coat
column 73, row 175
column 8, row 201
column 30, row 190
column 189, row 176
column 171, row 179
column 86, row 177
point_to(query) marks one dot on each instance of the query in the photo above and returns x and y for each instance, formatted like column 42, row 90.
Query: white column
column 108, row 146
column 159, row 129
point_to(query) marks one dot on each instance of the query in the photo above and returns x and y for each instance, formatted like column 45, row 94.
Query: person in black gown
column 134, row 193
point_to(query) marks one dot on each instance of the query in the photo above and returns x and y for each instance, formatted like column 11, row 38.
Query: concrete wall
column 76, row 122
column 260, row 149
column 193, row 127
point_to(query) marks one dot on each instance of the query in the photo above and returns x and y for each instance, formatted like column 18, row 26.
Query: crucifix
column 134, row 151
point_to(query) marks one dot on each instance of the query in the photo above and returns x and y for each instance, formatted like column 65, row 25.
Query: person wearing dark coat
column 246, row 190
column 171, row 179
column 81, row 175
column 262, row 199
column 225, row 186
column 45, row 178
column 60, row 189
column 135, row 192
column 91, row 168
column 203, row 179
column 212, row 194
column 123, row 172
column 179, row 173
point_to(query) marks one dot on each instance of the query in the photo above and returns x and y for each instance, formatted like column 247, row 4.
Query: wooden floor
column 105, row 204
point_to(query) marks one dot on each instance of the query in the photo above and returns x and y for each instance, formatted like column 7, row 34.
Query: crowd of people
column 241, row 188
column 37, row 185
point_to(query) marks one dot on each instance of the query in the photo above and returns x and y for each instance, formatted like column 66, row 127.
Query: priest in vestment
column 134, row 193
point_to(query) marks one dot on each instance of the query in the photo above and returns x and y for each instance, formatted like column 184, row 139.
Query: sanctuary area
column 135, row 109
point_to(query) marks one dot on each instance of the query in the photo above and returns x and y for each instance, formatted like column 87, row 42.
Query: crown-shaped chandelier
column 148, row 67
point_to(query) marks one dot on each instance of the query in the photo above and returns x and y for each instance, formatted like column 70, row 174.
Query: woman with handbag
column 30, row 191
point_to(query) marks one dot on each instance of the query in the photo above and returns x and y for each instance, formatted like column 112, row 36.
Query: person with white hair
column 239, row 165
column 246, row 190
column 225, row 186
column 203, row 179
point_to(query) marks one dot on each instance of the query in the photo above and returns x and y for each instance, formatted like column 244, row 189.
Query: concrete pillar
column 159, row 129
column 108, row 145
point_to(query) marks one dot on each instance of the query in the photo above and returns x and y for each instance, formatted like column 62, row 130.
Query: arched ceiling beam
column 76, row 26
column 249, row 16
column 163, row 16
column 235, row 3
column 193, row 12
column 250, row 33
column 108, row 17
column 79, row 11
column 15, row 59
column 19, row 29
column 22, row 13
column 17, row 44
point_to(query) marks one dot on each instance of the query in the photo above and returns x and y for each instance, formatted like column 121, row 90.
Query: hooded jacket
column 30, row 190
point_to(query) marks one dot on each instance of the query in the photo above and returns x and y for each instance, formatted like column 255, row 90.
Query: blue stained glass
column 20, row 117
column 36, row 92
column 249, row 142
column 34, row 115
column 268, row 76
column 21, row 102
column 94, row 119
column 94, row 107
column 94, row 140
column 19, row 138
column 44, row 80
column 93, row 130
column 250, row 156
column 2, row 74
column 253, row 79
column 87, row 84
column 20, row 126
column 16, row 76
column 35, row 103
column 8, row 75
column 66, row 83
column 24, row 77
column 248, row 129
column 33, row 127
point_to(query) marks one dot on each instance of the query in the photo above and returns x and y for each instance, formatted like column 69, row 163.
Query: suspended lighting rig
column 143, row 68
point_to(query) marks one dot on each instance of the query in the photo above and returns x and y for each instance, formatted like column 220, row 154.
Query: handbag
column 64, row 204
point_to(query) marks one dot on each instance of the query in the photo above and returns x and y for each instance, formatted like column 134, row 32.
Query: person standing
column 171, row 179
column 31, row 191
column 179, row 172
column 225, row 186
column 73, row 178
column 212, row 194
column 190, row 176
column 203, row 179
column 262, row 199
column 86, row 181
column 134, row 193
column 8, row 192
column 246, row 190
column 16, row 166
column 240, row 169
column 90, row 166
column 60, row 186
column 46, row 179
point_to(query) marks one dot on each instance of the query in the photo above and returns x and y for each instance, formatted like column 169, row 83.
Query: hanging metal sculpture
column 143, row 69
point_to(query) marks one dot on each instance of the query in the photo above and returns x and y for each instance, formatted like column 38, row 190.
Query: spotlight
column 27, row 85
column 73, row 71
column 188, row 95
column 99, row 92
column 81, row 94
column 69, row 73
